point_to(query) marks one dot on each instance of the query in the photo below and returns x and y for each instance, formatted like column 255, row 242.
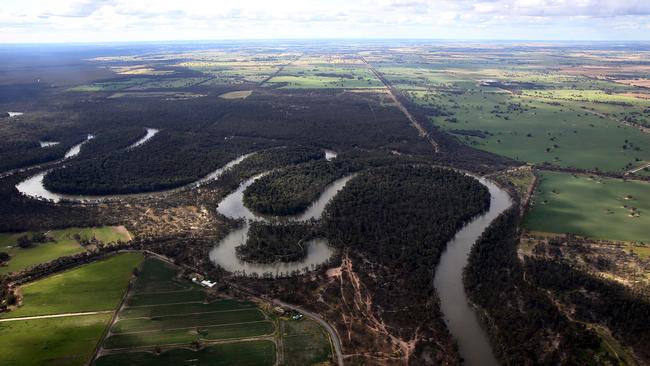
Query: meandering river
column 462, row 321
column 74, row 151
column 33, row 187
column 151, row 132
column 232, row 206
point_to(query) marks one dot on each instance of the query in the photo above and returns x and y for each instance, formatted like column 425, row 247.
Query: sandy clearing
column 242, row 94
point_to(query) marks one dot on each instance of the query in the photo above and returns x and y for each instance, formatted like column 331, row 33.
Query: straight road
column 401, row 107
column 56, row 315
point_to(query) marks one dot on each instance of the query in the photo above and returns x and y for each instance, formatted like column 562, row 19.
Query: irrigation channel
column 462, row 321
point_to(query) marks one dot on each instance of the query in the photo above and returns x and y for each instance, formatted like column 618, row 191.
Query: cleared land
column 243, row 94
column 526, row 112
column 92, row 287
column 601, row 208
column 68, row 340
column 322, row 74
column 58, row 341
column 64, row 244
column 305, row 343
column 166, row 310
column 252, row 353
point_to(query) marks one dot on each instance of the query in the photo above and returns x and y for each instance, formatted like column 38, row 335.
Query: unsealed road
column 401, row 107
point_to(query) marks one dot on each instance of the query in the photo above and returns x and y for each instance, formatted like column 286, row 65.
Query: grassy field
column 529, row 114
column 305, row 343
column 92, row 287
column 64, row 245
column 592, row 207
column 68, row 340
column 109, row 86
column 539, row 132
column 252, row 353
column 56, row 341
column 326, row 76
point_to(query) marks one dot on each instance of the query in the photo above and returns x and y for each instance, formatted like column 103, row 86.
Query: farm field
column 542, row 133
column 326, row 76
column 528, row 113
column 61, row 341
column 65, row 339
column 305, row 343
column 92, row 287
column 64, row 244
column 250, row 353
column 166, row 311
column 591, row 206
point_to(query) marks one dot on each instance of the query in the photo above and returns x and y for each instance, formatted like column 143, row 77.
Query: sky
column 71, row 21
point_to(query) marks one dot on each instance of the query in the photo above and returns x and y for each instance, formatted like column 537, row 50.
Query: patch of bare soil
column 612, row 260
column 644, row 83
column 123, row 230
column 346, row 296
column 241, row 94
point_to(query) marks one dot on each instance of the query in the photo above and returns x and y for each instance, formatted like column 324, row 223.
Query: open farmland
column 305, row 343
column 61, row 341
column 164, row 310
column 64, row 242
column 250, row 353
column 326, row 72
column 529, row 115
column 93, row 287
column 68, row 313
column 592, row 206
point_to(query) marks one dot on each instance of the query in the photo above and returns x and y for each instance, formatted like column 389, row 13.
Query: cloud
column 162, row 19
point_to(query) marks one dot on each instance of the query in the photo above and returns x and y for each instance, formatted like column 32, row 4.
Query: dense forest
column 111, row 140
column 197, row 137
column 264, row 160
column 524, row 325
column 597, row 300
column 276, row 242
column 22, row 153
column 290, row 191
column 396, row 221
column 168, row 161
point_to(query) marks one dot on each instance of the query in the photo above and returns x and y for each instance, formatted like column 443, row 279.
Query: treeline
column 597, row 300
column 396, row 221
column 524, row 325
column 269, row 243
column 290, row 191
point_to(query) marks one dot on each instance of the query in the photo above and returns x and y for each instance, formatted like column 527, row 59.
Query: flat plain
column 598, row 207
column 58, row 335
column 64, row 244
